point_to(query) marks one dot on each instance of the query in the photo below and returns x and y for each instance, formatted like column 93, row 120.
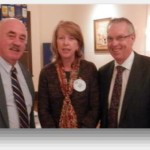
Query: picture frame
column 100, row 34
column 47, row 54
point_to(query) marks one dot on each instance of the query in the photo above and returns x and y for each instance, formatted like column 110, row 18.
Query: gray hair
column 122, row 19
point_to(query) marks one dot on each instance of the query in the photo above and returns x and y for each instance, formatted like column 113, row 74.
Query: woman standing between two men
column 68, row 87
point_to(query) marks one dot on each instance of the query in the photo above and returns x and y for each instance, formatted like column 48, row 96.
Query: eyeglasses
column 118, row 38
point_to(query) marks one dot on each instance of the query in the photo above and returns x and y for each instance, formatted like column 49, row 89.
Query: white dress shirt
column 5, row 71
column 127, row 64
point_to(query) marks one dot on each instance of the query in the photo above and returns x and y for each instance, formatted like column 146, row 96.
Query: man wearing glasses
column 125, row 81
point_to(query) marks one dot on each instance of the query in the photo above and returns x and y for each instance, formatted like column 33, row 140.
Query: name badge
column 79, row 85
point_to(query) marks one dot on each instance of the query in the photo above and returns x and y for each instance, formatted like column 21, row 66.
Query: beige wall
column 148, row 32
column 45, row 17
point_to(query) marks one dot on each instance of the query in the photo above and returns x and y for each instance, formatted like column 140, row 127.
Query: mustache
column 15, row 48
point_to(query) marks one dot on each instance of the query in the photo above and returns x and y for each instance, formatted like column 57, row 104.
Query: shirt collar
column 128, row 62
column 5, row 65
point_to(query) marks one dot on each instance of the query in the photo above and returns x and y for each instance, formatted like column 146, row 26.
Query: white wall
column 45, row 17
column 148, row 32
column 86, row 14
column 43, row 21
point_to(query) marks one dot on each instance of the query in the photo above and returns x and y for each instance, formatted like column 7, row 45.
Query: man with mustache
column 13, row 40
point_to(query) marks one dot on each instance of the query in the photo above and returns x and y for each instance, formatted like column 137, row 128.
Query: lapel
column 134, row 77
column 3, row 107
column 28, row 81
column 106, row 85
column 108, row 77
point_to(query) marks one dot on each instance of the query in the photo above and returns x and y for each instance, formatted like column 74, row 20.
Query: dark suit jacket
column 3, row 108
column 136, row 104
column 86, row 103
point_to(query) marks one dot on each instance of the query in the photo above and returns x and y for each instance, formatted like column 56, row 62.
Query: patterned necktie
column 116, row 93
column 19, row 99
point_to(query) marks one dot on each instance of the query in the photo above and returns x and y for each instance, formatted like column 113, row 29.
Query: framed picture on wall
column 100, row 34
column 47, row 54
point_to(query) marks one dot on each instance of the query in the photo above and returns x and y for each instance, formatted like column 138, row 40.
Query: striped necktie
column 115, row 100
column 19, row 99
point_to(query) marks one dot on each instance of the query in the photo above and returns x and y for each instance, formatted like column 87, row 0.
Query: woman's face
column 67, row 45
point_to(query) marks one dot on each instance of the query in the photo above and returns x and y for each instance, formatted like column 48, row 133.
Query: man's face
column 13, row 38
column 120, row 41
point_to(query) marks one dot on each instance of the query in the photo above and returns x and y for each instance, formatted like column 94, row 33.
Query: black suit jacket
column 3, row 108
column 135, row 111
